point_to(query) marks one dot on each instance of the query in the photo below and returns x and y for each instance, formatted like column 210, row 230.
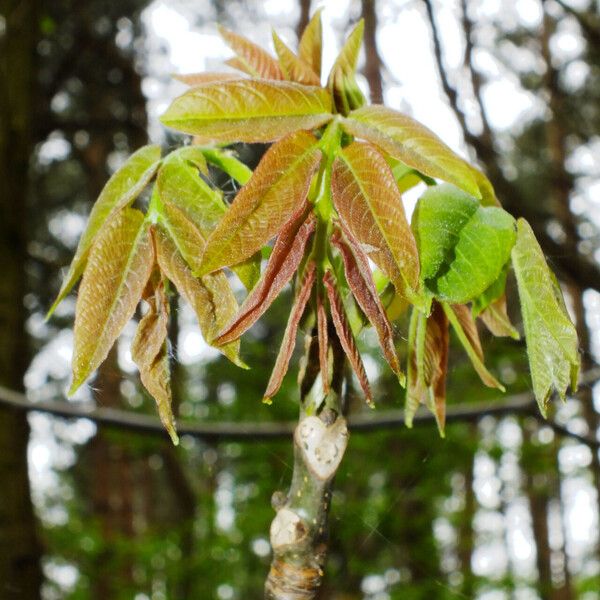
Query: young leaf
column 550, row 335
column 149, row 351
column 289, row 337
column 118, row 267
column 294, row 68
column 287, row 254
column 323, row 339
column 344, row 333
column 248, row 110
column 370, row 207
column 210, row 296
column 464, row 325
column 252, row 59
column 413, row 144
column 279, row 185
column 194, row 79
column 463, row 246
column 122, row 188
column 359, row 278
column 341, row 82
column 427, row 364
column 311, row 43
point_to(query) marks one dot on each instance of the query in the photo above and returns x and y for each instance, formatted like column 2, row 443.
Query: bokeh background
column 506, row 507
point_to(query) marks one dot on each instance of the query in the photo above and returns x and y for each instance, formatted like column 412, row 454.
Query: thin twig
column 523, row 403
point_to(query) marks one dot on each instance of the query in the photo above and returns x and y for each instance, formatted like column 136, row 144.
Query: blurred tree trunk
column 304, row 17
column 373, row 60
column 20, row 574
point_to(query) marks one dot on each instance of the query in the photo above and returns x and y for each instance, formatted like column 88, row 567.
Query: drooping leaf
column 210, row 296
column 149, row 351
column 279, row 185
column 248, row 110
column 345, row 336
column 289, row 337
column 463, row 246
column 413, row 144
column 293, row 67
column 359, row 278
column 370, row 207
column 118, row 267
column 427, row 364
column 341, row 83
column 311, row 42
column 550, row 335
column 464, row 325
column 193, row 79
column 252, row 59
column 285, row 259
column 323, row 339
column 122, row 188
column 490, row 307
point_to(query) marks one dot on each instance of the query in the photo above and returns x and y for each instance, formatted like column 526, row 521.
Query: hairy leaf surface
column 427, row 364
column 464, row 325
column 285, row 259
column 311, row 43
column 359, row 278
column 210, row 296
column 248, row 110
column 289, row 337
column 463, row 246
column 294, row 68
column 413, row 144
column 252, row 59
column 122, row 188
column 118, row 267
column 279, row 185
column 344, row 333
column 370, row 207
column 550, row 335
column 149, row 351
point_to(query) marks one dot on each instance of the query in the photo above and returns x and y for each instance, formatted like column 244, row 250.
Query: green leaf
column 311, row 42
column 413, row 144
column 294, row 68
column 118, row 268
column 122, row 188
column 463, row 246
column 277, row 188
column 248, row 110
column 550, row 335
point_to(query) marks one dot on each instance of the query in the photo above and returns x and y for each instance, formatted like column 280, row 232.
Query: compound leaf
column 119, row 265
column 278, row 186
column 370, row 207
column 413, row 144
column 248, row 110
column 550, row 335
column 122, row 188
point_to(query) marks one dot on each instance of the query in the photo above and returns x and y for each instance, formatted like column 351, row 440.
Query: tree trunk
column 20, row 574
column 373, row 60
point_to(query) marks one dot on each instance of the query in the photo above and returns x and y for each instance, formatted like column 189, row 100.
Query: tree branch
column 360, row 423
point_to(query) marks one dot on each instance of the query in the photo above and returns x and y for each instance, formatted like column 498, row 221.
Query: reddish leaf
column 278, row 186
column 252, row 59
column 427, row 364
column 149, row 351
column 369, row 205
column 193, row 79
column 322, row 335
column 344, row 333
column 283, row 262
column 496, row 319
column 295, row 68
column 360, row 280
column 289, row 337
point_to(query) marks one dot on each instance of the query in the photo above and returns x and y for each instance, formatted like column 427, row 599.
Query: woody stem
column 299, row 531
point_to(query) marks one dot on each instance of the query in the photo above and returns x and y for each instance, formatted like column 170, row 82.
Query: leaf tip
column 267, row 400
